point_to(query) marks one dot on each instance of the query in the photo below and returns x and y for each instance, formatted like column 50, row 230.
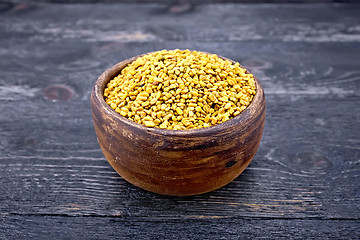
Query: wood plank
column 307, row 165
column 54, row 227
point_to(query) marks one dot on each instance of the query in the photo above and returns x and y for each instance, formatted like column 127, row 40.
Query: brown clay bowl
column 176, row 162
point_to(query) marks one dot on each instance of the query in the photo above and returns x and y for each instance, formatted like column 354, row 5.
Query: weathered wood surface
column 58, row 227
column 302, row 183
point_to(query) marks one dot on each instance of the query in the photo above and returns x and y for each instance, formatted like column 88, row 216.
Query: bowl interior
column 112, row 72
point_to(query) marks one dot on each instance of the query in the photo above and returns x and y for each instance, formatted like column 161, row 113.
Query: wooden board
column 302, row 183
column 55, row 227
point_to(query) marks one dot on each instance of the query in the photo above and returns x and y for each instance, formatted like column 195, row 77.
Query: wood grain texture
column 304, row 176
column 131, row 228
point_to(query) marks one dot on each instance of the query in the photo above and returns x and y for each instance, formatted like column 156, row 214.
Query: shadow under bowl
column 176, row 162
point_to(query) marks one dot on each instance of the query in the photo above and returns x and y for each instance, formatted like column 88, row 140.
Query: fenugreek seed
column 153, row 101
column 153, row 115
column 136, row 118
column 202, row 84
column 194, row 105
column 194, row 93
column 142, row 114
column 168, row 116
column 142, row 98
column 144, row 104
column 179, row 111
column 213, row 120
column 186, row 123
column 227, row 106
column 236, row 113
column 224, row 99
column 212, row 97
column 177, row 127
column 148, row 118
column 233, row 99
column 144, row 94
column 207, row 119
column 113, row 106
column 149, row 123
column 125, row 109
column 221, row 111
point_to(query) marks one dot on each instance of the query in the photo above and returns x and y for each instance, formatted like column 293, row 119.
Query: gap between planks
column 184, row 218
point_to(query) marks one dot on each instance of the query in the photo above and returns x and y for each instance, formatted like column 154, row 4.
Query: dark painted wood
column 305, row 174
column 178, row 6
column 55, row 227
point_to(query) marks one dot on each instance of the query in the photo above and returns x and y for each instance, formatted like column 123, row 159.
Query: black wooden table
column 303, row 182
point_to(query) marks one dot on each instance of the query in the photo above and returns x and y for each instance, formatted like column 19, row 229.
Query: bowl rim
column 115, row 70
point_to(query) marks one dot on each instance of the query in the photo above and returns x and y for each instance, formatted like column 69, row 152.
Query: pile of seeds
column 180, row 90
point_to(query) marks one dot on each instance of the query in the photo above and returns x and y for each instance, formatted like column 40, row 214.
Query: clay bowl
column 176, row 162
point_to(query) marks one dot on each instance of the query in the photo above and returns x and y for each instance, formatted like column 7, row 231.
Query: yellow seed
column 194, row 93
column 153, row 101
column 153, row 115
column 172, row 86
column 213, row 120
column 142, row 98
column 207, row 119
column 144, row 104
column 239, row 95
column 227, row 106
column 224, row 99
column 158, row 95
column 177, row 127
column 236, row 113
column 179, row 111
column 192, row 105
column 212, row 97
column 113, row 106
column 147, row 118
column 144, row 94
column 149, row 123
